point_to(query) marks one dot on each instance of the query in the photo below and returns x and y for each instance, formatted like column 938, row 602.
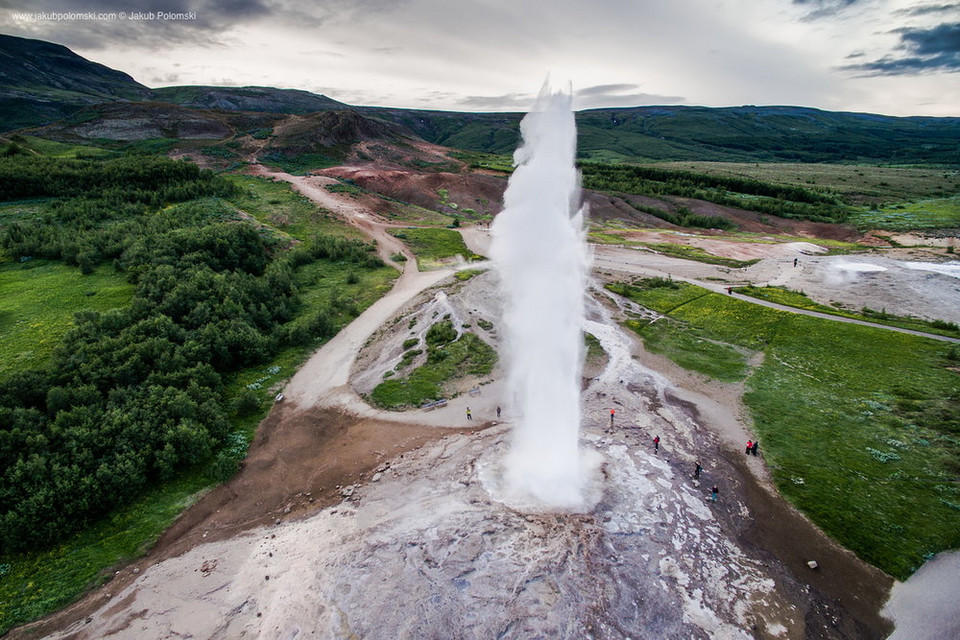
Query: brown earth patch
column 299, row 463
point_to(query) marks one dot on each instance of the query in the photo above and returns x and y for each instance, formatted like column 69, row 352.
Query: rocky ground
column 348, row 521
column 422, row 545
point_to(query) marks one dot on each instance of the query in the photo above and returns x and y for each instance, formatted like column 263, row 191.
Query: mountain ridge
column 42, row 82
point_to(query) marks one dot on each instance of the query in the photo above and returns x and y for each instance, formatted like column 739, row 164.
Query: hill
column 42, row 81
column 730, row 134
column 264, row 99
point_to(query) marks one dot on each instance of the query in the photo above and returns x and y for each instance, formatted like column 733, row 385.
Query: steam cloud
column 539, row 249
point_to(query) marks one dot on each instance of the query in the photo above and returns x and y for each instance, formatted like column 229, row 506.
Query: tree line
column 134, row 395
column 745, row 193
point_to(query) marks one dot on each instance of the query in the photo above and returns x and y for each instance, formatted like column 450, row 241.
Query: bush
column 440, row 333
column 246, row 403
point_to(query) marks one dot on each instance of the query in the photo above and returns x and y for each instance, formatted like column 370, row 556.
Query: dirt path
column 323, row 380
column 352, row 212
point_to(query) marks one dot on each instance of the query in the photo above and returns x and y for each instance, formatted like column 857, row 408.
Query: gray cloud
column 504, row 102
column 944, row 39
column 605, row 89
column 931, row 49
column 88, row 30
column 928, row 9
column 824, row 8
column 619, row 95
column 598, row 96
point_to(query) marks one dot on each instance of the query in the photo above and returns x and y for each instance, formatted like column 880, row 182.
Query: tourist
column 612, row 412
column 469, row 416
column 794, row 262
column 498, row 413
column 714, row 491
column 656, row 443
column 756, row 445
column 749, row 446
column 697, row 470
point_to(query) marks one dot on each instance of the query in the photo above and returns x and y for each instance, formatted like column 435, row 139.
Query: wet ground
column 418, row 542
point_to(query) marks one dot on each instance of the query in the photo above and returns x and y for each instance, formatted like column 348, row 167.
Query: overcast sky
column 897, row 57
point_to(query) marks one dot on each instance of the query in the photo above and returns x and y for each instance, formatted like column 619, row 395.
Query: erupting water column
column 539, row 249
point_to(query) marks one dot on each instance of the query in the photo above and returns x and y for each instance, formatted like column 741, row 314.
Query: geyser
column 539, row 250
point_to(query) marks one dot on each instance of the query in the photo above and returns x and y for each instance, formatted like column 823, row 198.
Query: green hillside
column 732, row 134
column 265, row 99
column 42, row 81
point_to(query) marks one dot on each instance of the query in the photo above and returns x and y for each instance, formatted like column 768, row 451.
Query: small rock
column 286, row 510
column 266, row 577
column 813, row 564
column 376, row 477
column 277, row 521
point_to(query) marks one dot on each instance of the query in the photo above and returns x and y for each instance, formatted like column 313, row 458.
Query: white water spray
column 539, row 250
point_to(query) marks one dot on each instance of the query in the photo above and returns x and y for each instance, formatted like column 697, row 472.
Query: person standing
column 656, row 443
column 714, row 491
column 697, row 470
column 753, row 449
column 612, row 413
column 749, row 446
column 469, row 415
column 498, row 412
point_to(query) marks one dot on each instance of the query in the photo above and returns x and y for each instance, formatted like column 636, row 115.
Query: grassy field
column 433, row 246
column 302, row 163
column 54, row 149
column 274, row 203
column 799, row 300
column 448, row 357
column 938, row 213
column 860, row 426
column 34, row 584
column 38, row 303
column 691, row 350
column 861, row 183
